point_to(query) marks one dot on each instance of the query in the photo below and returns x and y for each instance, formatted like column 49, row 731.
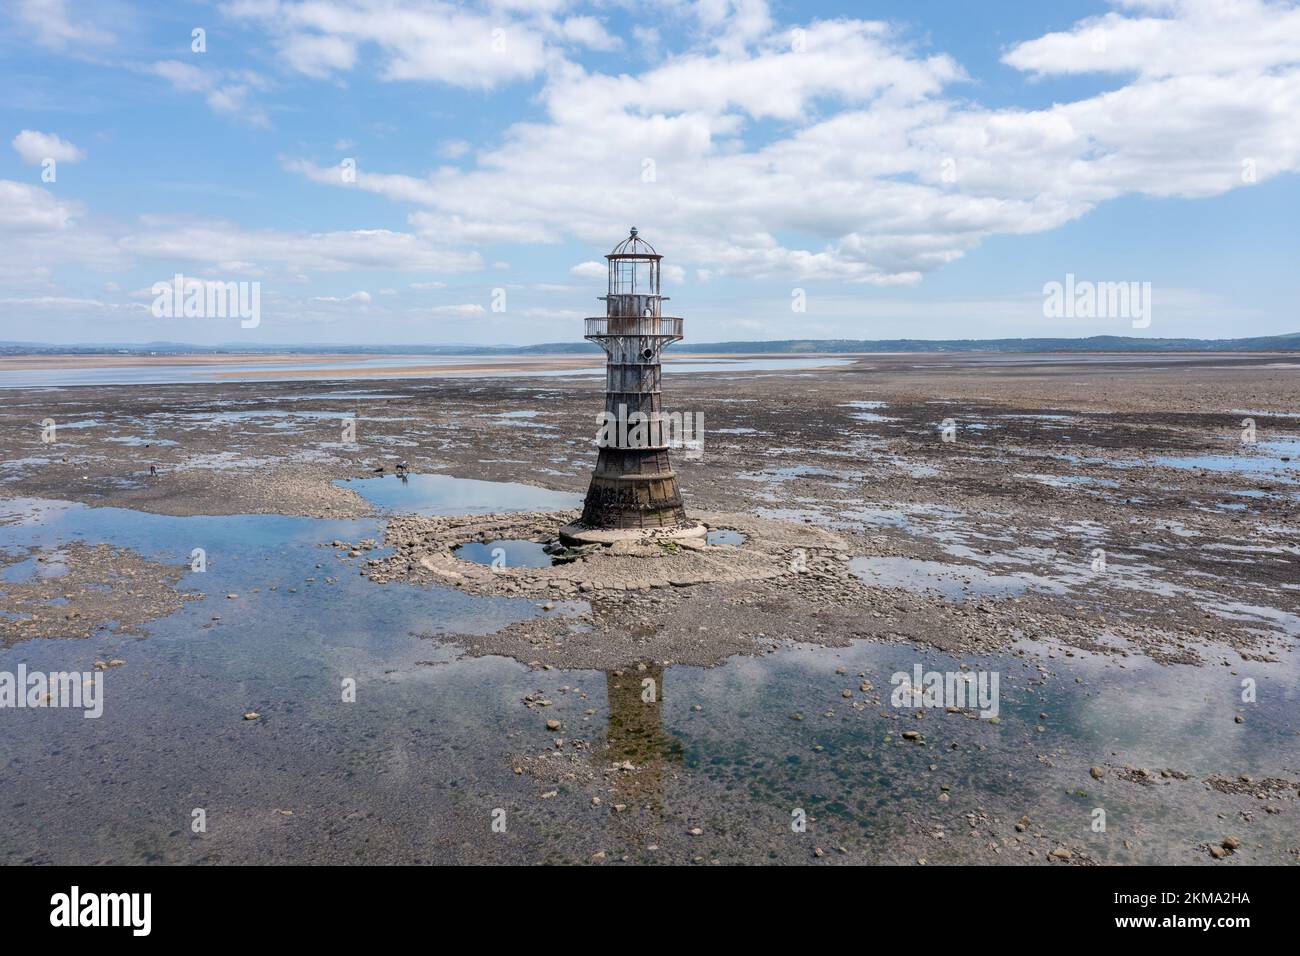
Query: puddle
column 1065, row 481
column 1277, row 459
column 137, row 441
column 955, row 582
column 724, row 536
column 506, row 553
column 47, row 565
column 444, row 495
column 796, row 471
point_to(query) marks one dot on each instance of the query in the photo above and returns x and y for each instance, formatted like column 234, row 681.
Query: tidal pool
column 724, row 536
column 445, row 495
column 379, row 740
column 513, row 553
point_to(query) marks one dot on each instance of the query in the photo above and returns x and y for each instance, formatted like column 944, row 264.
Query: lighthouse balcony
column 659, row 325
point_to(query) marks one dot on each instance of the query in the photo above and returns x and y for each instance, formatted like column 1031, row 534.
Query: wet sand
column 981, row 552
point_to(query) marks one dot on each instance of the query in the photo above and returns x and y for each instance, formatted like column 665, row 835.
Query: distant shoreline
column 178, row 353
column 78, row 360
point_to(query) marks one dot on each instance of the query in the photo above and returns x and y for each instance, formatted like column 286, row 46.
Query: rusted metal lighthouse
column 633, row 490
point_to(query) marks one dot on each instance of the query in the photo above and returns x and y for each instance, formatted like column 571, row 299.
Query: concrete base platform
column 576, row 534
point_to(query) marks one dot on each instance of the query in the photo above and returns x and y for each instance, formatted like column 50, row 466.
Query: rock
column 1060, row 853
column 552, row 725
column 695, row 831
column 252, row 715
column 1232, row 843
column 1097, row 772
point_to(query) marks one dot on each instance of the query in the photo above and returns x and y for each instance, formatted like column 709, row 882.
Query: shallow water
column 375, row 368
column 955, row 582
column 724, row 536
column 444, row 495
column 1279, row 459
column 414, row 768
column 509, row 552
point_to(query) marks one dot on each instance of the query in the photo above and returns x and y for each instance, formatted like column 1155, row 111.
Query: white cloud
column 53, row 27
column 318, row 56
column 465, row 310
column 25, row 208
column 446, row 42
column 590, row 270
column 365, row 249
column 877, row 172
column 361, row 296
column 589, row 32
column 35, row 147
column 1202, row 36
column 225, row 92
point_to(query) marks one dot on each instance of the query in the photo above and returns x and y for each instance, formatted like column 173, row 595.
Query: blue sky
column 916, row 169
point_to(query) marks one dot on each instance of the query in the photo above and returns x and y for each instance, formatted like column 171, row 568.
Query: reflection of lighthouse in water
column 636, row 737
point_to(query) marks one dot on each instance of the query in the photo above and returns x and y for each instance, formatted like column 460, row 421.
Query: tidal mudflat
column 1106, row 536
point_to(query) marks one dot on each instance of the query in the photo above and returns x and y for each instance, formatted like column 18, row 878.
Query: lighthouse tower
column 634, row 489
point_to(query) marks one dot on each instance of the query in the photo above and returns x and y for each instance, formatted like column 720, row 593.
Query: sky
column 393, row 172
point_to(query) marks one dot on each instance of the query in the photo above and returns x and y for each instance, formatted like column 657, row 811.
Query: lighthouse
column 634, row 491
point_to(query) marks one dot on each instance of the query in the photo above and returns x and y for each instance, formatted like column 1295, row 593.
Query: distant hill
column 1097, row 343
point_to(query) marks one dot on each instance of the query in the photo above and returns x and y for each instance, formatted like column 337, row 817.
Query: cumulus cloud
column 25, row 208
column 226, row 243
column 35, row 147
column 225, row 92
column 589, row 32
column 1200, row 36
column 318, row 56
column 879, row 171
column 465, row 310
column 52, row 26
column 445, row 42
column 361, row 296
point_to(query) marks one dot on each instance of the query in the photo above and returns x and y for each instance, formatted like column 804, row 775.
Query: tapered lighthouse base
column 579, row 534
